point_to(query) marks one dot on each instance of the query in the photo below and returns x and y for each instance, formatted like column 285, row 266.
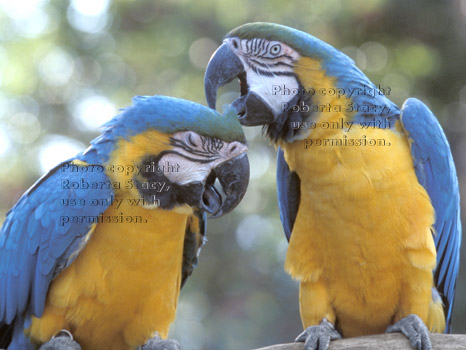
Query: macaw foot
column 157, row 343
column 63, row 340
column 416, row 331
column 318, row 337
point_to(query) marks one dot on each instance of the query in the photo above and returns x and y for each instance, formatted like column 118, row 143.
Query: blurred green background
column 67, row 67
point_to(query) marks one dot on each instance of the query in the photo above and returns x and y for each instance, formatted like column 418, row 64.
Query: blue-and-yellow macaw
column 368, row 193
column 100, row 246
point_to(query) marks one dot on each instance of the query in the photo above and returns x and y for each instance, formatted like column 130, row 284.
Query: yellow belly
column 122, row 287
column 363, row 230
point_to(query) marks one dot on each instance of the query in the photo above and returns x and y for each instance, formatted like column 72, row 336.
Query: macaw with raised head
column 368, row 193
column 100, row 246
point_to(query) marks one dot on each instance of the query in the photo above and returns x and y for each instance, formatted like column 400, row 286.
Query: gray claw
column 62, row 341
column 416, row 331
column 157, row 343
column 318, row 337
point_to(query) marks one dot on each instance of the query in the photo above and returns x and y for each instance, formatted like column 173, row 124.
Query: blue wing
column 436, row 172
column 288, row 190
column 193, row 240
column 43, row 233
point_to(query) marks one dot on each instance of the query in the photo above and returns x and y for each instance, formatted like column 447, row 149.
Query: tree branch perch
column 392, row 341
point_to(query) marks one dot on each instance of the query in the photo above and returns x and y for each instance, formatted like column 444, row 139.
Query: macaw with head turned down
column 368, row 193
column 100, row 246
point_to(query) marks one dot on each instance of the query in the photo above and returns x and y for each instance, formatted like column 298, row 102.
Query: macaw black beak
column 233, row 176
column 223, row 67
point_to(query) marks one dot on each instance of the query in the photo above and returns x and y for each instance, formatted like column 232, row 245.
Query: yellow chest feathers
column 363, row 226
column 123, row 286
column 357, row 202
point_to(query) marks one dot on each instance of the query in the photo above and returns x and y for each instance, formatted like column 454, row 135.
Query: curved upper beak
column 233, row 176
column 223, row 67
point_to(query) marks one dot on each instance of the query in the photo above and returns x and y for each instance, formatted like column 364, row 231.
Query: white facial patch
column 186, row 170
column 266, row 87
column 269, row 69
column 194, row 156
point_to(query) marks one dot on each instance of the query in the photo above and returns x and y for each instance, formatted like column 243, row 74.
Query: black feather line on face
column 277, row 57
column 248, row 46
column 267, row 73
column 283, row 64
column 261, row 48
column 267, row 47
column 165, row 193
column 211, row 145
column 265, row 65
column 271, row 64
column 210, row 153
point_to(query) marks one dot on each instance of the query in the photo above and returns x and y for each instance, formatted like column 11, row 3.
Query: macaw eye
column 191, row 139
column 234, row 42
column 275, row 49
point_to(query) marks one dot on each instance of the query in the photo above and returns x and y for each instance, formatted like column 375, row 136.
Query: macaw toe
column 318, row 337
column 416, row 331
column 62, row 341
column 157, row 343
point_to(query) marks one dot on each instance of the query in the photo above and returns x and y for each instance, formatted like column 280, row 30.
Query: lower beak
column 223, row 67
column 233, row 176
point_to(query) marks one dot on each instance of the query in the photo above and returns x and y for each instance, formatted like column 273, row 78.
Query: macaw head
column 260, row 55
column 170, row 152
column 276, row 66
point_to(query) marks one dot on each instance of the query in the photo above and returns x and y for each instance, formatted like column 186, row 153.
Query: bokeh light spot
column 259, row 160
column 88, row 16
column 92, row 111
column 400, row 86
column 56, row 149
column 200, row 52
column 376, row 56
column 23, row 128
column 90, row 7
column 5, row 143
column 417, row 58
column 251, row 231
column 56, row 67
column 21, row 9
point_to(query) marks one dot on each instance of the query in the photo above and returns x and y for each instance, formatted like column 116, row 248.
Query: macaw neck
column 336, row 97
column 130, row 214
column 338, row 84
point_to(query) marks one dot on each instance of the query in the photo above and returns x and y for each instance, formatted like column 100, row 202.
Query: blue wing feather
column 436, row 172
column 288, row 191
column 282, row 174
column 36, row 243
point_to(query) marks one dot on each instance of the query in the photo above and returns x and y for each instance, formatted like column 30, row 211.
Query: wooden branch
column 392, row 341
